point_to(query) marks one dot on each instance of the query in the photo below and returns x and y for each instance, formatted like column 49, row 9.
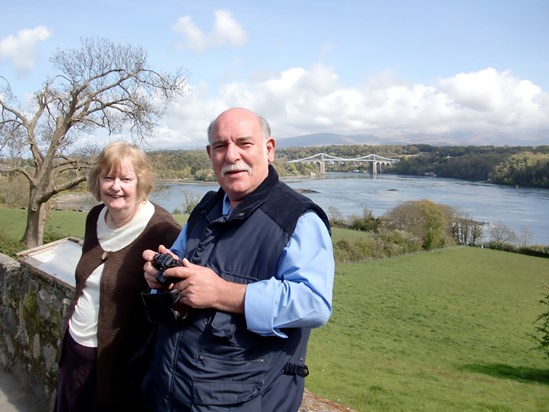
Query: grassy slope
column 426, row 332
column 434, row 331
column 62, row 222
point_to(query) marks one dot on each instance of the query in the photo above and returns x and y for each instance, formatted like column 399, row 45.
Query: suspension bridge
column 376, row 162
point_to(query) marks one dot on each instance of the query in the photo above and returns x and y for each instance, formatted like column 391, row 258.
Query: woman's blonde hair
column 111, row 158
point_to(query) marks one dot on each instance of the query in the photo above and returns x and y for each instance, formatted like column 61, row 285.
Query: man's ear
column 209, row 151
column 270, row 145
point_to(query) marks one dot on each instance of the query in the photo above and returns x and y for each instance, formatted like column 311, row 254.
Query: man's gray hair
column 265, row 128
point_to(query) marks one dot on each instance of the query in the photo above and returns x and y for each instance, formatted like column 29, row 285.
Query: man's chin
column 236, row 190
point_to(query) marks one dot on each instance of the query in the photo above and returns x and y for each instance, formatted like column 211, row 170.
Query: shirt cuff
column 259, row 300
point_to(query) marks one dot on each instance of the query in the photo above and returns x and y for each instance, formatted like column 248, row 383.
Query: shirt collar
column 227, row 209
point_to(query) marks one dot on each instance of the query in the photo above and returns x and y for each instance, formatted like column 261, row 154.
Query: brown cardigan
column 123, row 324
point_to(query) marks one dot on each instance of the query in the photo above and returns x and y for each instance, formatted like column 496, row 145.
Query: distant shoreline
column 84, row 201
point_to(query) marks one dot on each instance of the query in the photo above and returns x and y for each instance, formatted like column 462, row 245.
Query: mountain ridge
column 333, row 139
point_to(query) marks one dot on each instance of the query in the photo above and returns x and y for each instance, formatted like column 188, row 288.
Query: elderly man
column 256, row 275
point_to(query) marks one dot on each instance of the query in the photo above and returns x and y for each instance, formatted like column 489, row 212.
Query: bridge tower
column 322, row 165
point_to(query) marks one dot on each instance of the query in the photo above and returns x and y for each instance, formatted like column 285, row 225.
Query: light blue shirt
column 300, row 293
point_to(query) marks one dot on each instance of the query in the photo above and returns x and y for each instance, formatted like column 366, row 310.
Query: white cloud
column 21, row 48
column 226, row 30
column 486, row 106
column 500, row 99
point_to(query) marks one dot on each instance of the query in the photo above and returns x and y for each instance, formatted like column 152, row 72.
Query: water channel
column 523, row 210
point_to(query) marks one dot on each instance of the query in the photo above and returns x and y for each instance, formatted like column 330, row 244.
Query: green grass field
column 438, row 331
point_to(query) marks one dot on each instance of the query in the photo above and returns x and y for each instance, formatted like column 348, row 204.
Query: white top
column 83, row 323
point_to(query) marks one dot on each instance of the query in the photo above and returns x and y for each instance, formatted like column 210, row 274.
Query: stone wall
column 33, row 307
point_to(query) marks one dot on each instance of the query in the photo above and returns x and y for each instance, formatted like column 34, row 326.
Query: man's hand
column 151, row 272
column 199, row 287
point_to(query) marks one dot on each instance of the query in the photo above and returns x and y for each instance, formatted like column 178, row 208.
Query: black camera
column 163, row 261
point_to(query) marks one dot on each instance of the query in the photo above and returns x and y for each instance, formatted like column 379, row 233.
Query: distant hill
column 329, row 139
column 401, row 139
column 324, row 139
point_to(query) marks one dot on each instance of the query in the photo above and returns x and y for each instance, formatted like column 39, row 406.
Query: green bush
column 530, row 250
column 542, row 336
column 10, row 246
column 387, row 243
column 346, row 250
column 398, row 242
column 52, row 236
column 534, row 250
column 426, row 220
column 365, row 223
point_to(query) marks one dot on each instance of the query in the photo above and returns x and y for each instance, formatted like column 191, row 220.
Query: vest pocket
column 225, row 392
column 224, row 325
column 228, row 382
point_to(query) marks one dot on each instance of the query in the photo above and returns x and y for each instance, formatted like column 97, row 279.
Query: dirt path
column 313, row 403
column 74, row 201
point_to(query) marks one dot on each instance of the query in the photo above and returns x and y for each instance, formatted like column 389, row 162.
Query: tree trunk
column 36, row 220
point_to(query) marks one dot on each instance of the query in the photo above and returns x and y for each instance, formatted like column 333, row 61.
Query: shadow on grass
column 499, row 370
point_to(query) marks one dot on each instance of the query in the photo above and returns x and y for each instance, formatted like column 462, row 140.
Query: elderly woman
column 107, row 321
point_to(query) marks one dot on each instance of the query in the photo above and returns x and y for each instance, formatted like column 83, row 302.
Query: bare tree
column 191, row 200
column 100, row 85
column 500, row 234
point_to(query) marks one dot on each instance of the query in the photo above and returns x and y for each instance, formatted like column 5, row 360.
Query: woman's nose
column 116, row 183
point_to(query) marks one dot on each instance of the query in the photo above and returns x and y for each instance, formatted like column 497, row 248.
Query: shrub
column 376, row 246
column 352, row 251
column 365, row 223
column 542, row 336
column 530, row 250
column 398, row 242
column 9, row 246
column 534, row 250
column 426, row 220
column 51, row 236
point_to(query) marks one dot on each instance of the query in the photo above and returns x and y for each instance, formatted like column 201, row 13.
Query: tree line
column 507, row 165
column 516, row 165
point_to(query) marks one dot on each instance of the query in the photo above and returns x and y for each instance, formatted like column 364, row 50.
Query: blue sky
column 459, row 72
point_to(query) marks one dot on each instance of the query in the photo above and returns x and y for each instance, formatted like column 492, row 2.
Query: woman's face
column 118, row 188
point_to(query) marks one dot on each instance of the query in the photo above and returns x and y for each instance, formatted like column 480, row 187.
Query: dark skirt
column 77, row 380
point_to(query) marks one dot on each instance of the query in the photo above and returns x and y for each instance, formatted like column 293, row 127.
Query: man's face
column 240, row 156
